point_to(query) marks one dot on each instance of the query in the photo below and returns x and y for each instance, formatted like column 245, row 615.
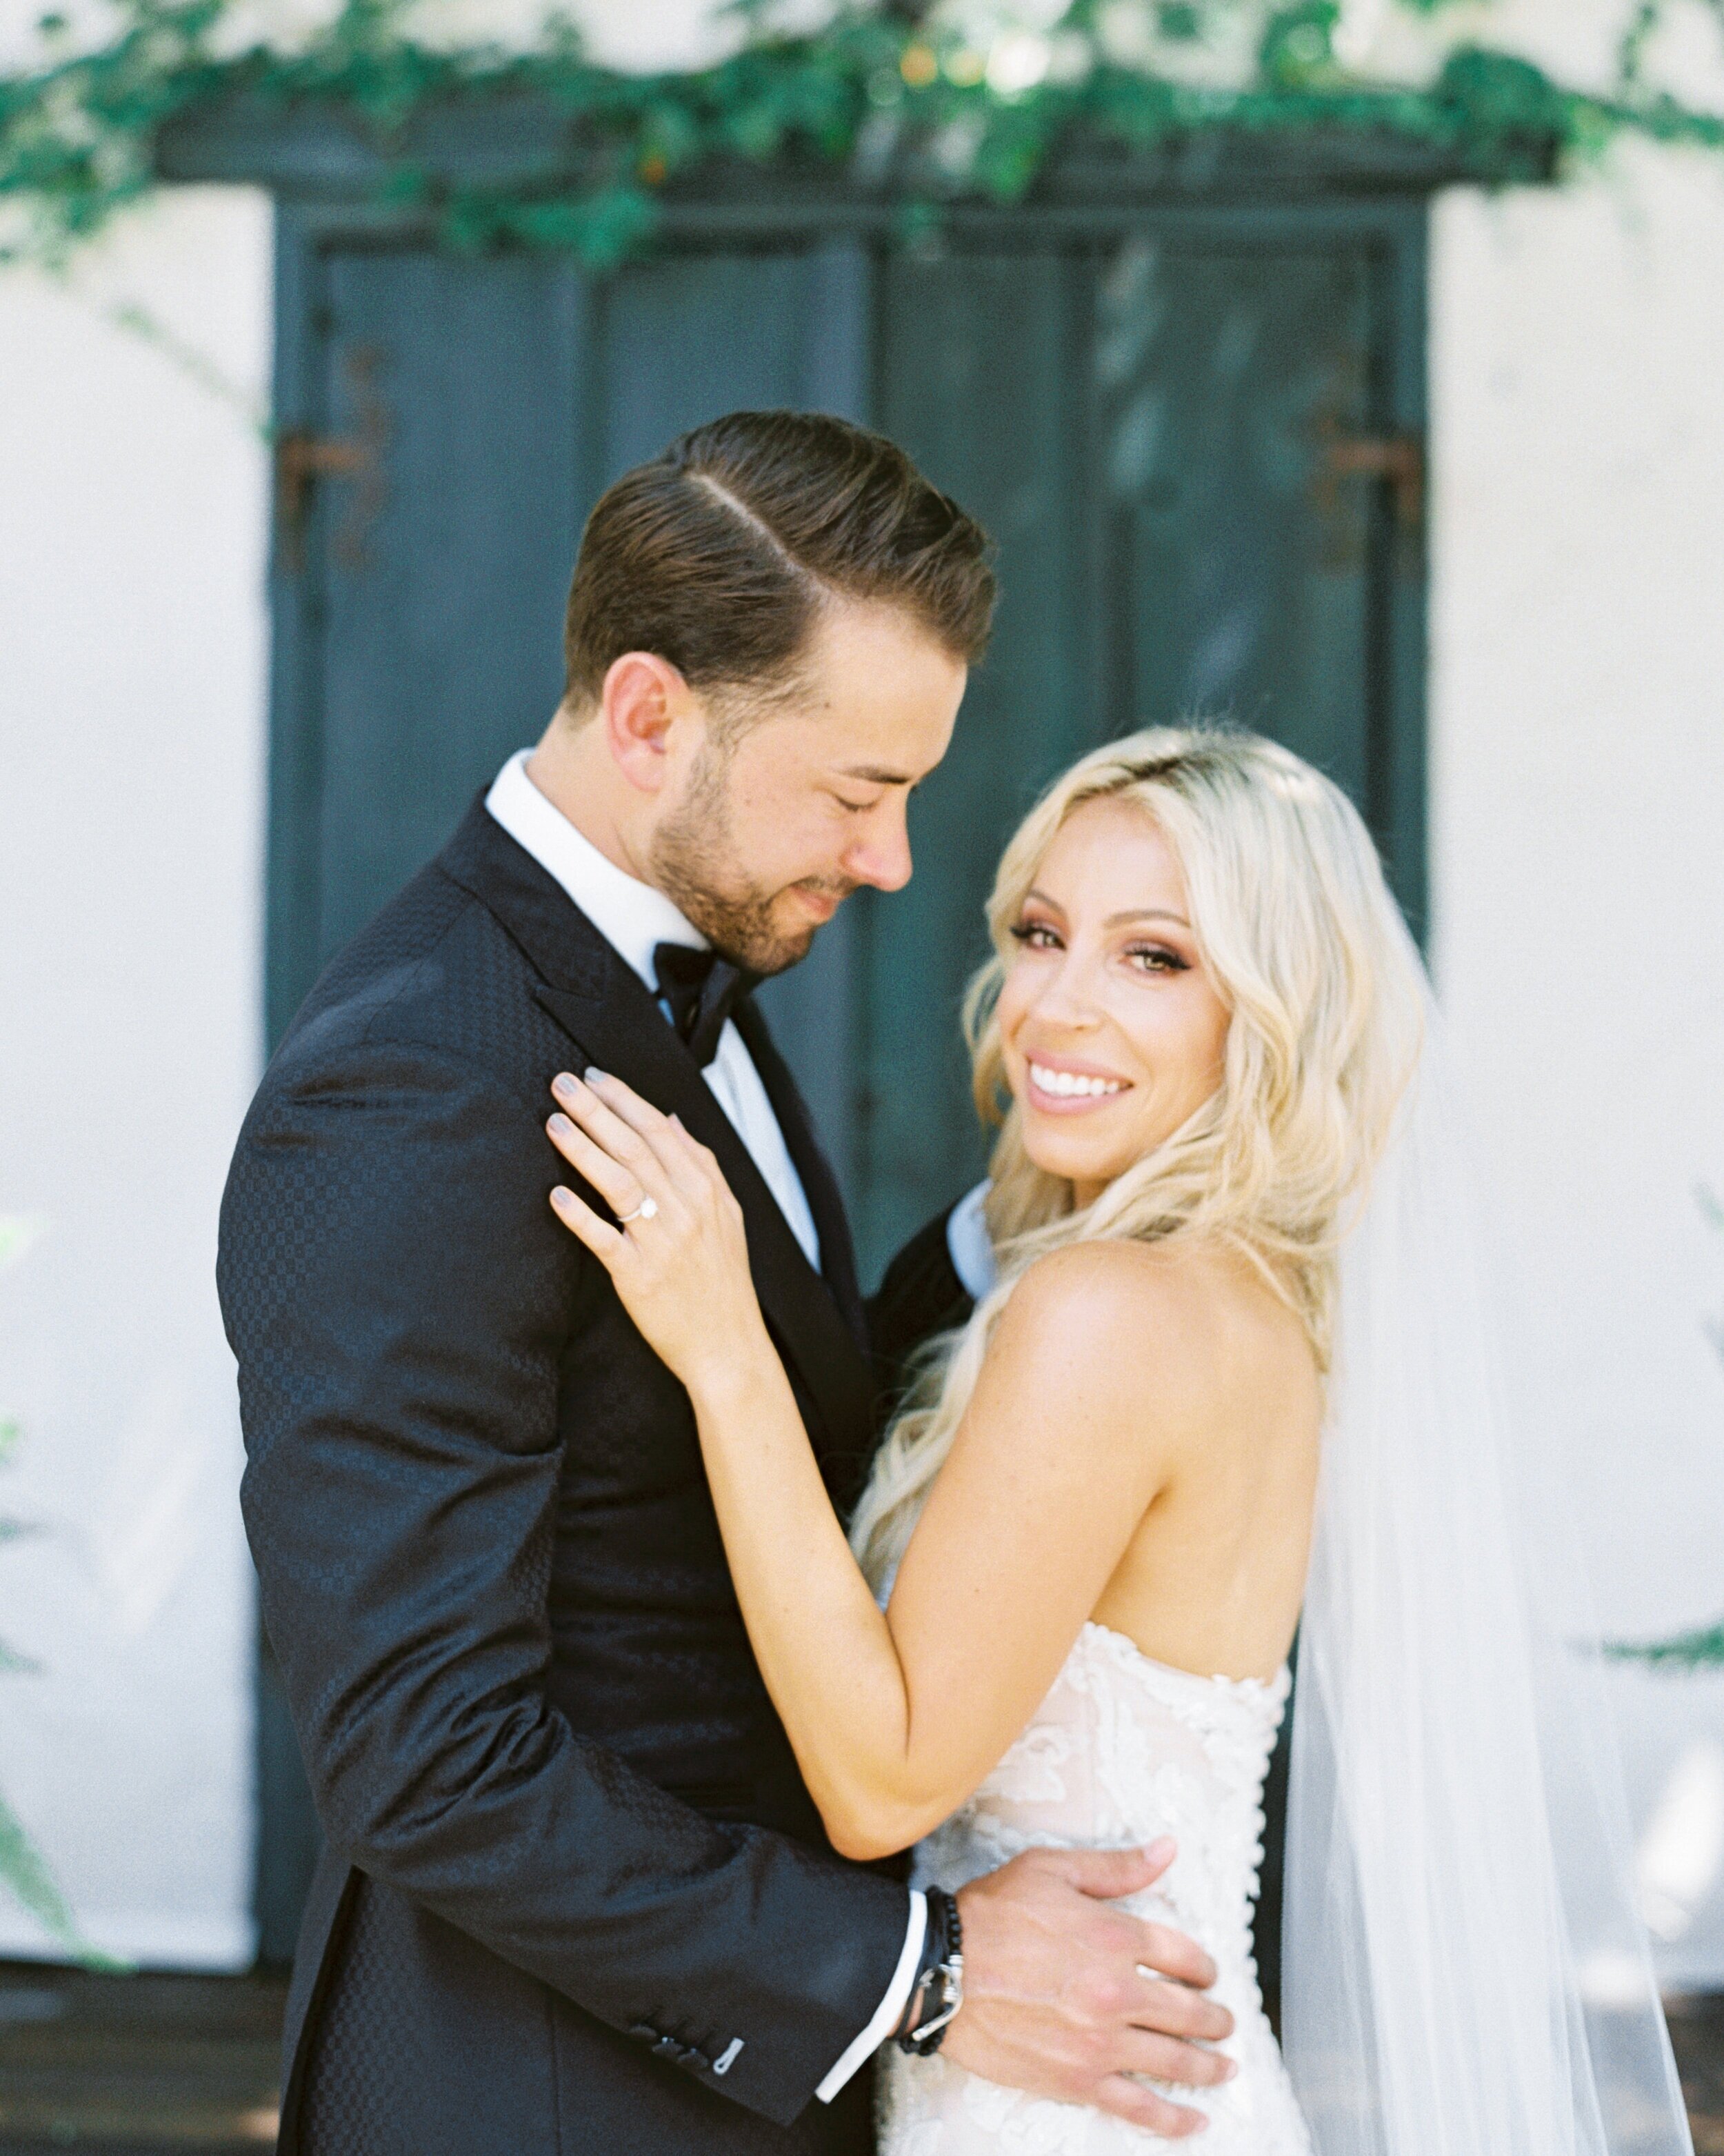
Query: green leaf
column 23, row 1869
column 1501, row 94
column 1298, row 44
column 1689, row 1651
column 1631, row 51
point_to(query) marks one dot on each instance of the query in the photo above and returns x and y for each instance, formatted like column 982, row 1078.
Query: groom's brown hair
column 719, row 555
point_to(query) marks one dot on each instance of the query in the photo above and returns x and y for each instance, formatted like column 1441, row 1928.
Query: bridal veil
column 1464, row 1974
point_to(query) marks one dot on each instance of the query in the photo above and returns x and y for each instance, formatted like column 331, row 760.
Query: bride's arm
column 895, row 1718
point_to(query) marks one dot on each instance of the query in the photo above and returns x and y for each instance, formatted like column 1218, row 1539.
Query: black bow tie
column 703, row 990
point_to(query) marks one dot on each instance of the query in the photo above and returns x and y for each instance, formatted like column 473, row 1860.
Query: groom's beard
column 694, row 864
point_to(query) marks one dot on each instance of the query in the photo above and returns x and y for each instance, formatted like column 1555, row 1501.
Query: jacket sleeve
column 398, row 1296
column 919, row 1296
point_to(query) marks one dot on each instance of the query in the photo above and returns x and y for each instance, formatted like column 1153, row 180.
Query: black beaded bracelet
column 938, row 1990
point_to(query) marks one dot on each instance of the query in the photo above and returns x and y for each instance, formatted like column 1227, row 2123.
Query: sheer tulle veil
column 1464, row 1972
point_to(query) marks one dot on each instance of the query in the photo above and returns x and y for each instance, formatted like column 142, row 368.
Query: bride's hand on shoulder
column 677, row 1252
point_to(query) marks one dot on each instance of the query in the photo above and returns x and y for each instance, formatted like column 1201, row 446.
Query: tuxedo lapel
column 622, row 1030
column 613, row 1020
column 838, row 1256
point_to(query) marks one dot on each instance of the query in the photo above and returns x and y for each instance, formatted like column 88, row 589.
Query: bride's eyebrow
column 1113, row 919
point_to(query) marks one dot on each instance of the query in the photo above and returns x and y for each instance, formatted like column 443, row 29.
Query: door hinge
column 1397, row 461
column 303, row 458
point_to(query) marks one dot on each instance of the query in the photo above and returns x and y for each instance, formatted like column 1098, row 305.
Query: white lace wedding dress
column 1122, row 1749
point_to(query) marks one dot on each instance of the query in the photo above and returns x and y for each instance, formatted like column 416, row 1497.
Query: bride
column 1232, row 1380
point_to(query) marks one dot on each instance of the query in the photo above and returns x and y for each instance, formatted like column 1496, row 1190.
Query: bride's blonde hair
column 1306, row 948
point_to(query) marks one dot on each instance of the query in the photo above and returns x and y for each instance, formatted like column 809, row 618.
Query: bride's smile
column 1112, row 1029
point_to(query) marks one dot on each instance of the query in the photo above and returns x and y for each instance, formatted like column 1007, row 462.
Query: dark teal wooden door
column 1176, row 435
column 1194, row 438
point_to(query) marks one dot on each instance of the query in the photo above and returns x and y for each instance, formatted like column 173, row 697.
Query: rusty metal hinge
column 303, row 458
column 1397, row 461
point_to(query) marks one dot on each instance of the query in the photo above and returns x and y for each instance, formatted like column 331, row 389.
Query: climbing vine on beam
column 946, row 113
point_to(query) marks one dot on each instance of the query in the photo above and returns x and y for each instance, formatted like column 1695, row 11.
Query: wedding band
column 644, row 1211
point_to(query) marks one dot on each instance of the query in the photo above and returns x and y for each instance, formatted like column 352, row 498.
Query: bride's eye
column 1035, row 936
column 1157, row 958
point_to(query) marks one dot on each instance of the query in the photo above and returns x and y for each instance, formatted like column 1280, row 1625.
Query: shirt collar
column 632, row 916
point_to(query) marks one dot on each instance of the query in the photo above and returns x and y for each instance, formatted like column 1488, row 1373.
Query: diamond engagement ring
column 644, row 1211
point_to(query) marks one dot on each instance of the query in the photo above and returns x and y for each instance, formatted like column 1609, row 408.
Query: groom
column 575, row 1897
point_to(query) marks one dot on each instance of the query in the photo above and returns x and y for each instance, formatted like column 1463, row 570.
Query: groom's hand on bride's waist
column 1067, row 1996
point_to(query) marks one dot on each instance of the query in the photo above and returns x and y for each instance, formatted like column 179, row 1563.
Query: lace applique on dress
column 1121, row 1750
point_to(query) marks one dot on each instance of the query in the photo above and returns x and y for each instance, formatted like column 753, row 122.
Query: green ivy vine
column 79, row 132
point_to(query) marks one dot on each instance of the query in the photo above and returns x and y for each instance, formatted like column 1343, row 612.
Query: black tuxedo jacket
column 576, row 1899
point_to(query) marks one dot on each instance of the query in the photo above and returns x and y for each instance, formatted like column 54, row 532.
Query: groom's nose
column 880, row 855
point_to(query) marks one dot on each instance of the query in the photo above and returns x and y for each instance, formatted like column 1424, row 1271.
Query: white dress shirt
column 634, row 918
column 970, row 1245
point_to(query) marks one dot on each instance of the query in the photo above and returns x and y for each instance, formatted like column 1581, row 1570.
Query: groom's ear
column 642, row 701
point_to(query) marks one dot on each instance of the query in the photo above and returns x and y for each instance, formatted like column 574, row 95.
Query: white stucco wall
column 1577, row 858
column 132, row 523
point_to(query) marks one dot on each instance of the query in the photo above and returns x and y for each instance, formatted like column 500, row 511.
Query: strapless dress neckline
column 1277, row 1687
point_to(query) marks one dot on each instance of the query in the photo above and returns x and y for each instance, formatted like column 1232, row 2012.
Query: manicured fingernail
column 594, row 1076
column 560, row 1125
column 561, row 1198
column 1159, row 1848
column 563, row 1085
column 1232, row 2068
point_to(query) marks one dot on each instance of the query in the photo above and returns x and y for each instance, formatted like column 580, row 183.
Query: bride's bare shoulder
column 1198, row 1317
column 1110, row 1282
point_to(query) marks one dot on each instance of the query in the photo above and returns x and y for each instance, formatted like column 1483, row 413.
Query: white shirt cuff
column 970, row 1245
column 890, row 2011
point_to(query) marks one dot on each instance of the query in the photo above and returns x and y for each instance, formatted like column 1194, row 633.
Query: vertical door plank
column 1241, row 580
column 984, row 380
column 685, row 340
column 444, row 584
